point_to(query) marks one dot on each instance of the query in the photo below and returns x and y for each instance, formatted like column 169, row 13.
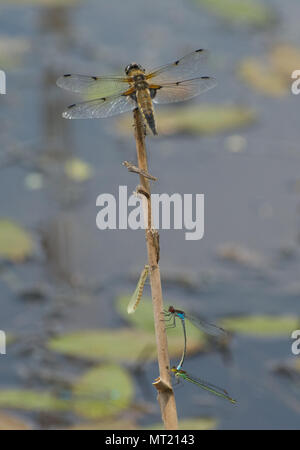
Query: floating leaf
column 102, row 391
column 16, row 244
column 77, row 170
column 121, row 344
column 284, row 59
column 201, row 423
column 262, row 78
column 245, row 12
column 8, row 422
column 262, row 326
column 31, row 400
column 143, row 317
column 197, row 120
column 110, row 344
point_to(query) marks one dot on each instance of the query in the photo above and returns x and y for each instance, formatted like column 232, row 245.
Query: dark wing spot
column 205, row 78
column 199, row 50
column 67, row 75
column 95, row 78
column 176, row 62
column 72, row 106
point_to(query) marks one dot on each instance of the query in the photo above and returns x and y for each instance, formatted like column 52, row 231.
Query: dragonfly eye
column 133, row 66
column 127, row 69
column 141, row 68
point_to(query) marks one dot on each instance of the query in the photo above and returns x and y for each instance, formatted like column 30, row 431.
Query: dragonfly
column 112, row 95
column 220, row 392
column 171, row 314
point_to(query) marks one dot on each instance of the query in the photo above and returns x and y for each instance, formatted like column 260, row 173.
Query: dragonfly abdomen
column 145, row 104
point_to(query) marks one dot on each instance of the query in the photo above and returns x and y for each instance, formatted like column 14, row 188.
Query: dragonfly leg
column 172, row 325
column 167, row 317
column 178, row 383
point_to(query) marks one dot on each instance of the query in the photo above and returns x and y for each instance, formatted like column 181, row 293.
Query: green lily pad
column 8, row 422
column 30, row 400
column 103, row 391
column 262, row 326
column 197, row 120
column 201, row 423
column 121, row 344
column 284, row 59
column 262, row 78
column 245, row 12
column 78, row 170
column 16, row 244
column 143, row 316
column 110, row 344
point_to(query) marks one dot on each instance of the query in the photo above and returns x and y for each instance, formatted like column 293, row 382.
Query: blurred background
column 74, row 358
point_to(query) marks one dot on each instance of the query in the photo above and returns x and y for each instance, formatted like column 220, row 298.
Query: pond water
column 251, row 201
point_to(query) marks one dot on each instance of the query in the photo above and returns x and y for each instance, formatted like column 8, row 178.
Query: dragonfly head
column 133, row 66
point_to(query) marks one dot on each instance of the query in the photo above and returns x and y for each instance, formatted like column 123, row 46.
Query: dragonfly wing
column 187, row 67
column 207, row 327
column 93, row 86
column 182, row 90
column 100, row 108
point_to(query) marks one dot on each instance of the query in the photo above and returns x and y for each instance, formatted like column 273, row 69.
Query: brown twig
column 134, row 169
column 166, row 396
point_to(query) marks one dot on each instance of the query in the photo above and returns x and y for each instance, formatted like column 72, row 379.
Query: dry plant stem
column 166, row 397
